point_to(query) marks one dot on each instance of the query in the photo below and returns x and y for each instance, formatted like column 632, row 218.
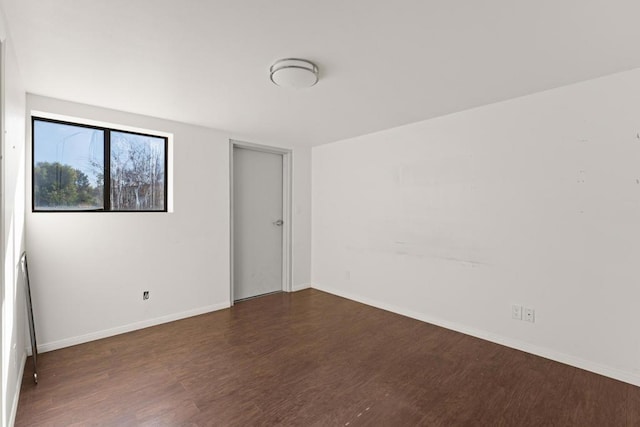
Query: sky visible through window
column 79, row 147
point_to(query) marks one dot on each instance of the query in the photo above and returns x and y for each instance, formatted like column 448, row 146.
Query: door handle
column 278, row 222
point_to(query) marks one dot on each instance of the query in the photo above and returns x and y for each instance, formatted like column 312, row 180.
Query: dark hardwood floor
column 313, row 359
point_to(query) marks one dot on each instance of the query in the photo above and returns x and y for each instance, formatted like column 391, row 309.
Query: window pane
column 68, row 169
column 137, row 172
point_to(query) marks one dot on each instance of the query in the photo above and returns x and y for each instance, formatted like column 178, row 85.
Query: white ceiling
column 382, row 63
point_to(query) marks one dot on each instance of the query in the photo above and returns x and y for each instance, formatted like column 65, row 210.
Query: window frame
column 107, row 168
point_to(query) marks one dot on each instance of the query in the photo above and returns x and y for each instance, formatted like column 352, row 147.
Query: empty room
column 338, row 213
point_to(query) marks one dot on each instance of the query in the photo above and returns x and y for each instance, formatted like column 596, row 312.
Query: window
column 79, row 168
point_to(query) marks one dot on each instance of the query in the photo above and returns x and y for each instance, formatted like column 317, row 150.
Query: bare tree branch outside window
column 137, row 172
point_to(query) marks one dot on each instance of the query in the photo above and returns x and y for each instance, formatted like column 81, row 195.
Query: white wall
column 89, row 269
column 12, row 182
column 301, row 245
column 533, row 201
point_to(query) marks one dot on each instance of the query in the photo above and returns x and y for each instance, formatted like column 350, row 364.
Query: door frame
column 3, row 322
column 287, row 170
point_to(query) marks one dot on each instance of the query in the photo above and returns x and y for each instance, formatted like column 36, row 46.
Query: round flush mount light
column 294, row 72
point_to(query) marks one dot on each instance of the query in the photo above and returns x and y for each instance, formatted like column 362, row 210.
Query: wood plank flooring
column 313, row 359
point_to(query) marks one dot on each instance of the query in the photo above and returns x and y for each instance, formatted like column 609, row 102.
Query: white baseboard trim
column 14, row 407
column 607, row 371
column 300, row 287
column 68, row 342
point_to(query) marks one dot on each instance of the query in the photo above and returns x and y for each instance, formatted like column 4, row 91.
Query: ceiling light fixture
column 294, row 72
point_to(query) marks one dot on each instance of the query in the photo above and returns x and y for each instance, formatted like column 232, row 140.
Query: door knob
column 278, row 222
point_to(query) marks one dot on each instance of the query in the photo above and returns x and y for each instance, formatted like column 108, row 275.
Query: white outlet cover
column 529, row 315
column 516, row 312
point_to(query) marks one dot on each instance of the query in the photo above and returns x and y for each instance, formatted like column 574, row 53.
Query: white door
column 257, row 222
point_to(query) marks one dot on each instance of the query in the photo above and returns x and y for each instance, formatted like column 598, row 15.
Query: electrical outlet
column 145, row 295
column 516, row 312
column 529, row 315
column 347, row 275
